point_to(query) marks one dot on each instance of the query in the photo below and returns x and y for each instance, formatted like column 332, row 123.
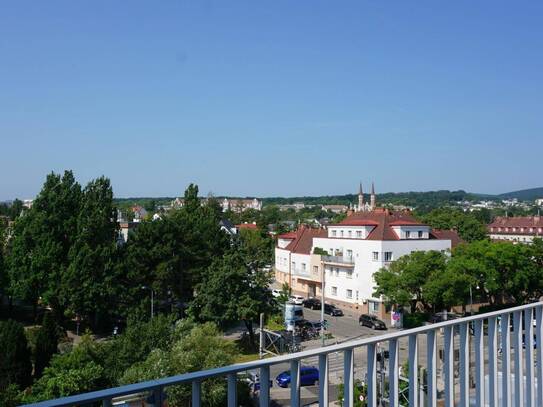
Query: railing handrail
column 240, row 367
column 339, row 259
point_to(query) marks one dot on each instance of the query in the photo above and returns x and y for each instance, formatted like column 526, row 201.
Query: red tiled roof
column 251, row 226
column 303, row 242
column 382, row 219
column 289, row 235
column 517, row 222
column 451, row 235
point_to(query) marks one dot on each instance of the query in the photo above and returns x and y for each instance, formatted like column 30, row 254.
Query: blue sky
column 277, row 98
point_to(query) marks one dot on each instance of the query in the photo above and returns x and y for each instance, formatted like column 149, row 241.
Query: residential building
column 140, row 213
column 125, row 230
column 247, row 226
column 335, row 208
column 516, row 229
column 539, row 201
column 240, row 205
column 367, row 240
column 228, row 227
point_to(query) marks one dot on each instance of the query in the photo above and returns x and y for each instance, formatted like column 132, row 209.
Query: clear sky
column 272, row 98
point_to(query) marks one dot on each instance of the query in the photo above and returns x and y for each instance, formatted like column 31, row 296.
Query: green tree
column 15, row 357
column 469, row 227
column 232, row 291
column 75, row 372
column 403, row 282
column 46, row 344
column 90, row 284
column 41, row 241
column 196, row 348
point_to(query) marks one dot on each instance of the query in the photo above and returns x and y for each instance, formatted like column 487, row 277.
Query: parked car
column 312, row 303
column 332, row 310
column 252, row 378
column 371, row 321
column 296, row 299
column 442, row 317
column 309, row 376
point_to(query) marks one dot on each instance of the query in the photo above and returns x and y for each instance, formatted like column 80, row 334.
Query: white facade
column 349, row 278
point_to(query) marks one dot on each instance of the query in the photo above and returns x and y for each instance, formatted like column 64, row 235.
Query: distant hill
column 524, row 194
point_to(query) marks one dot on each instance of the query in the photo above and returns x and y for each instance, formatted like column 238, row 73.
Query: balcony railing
column 344, row 260
column 516, row 377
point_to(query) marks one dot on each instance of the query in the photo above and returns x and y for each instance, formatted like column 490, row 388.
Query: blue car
column 309, row 376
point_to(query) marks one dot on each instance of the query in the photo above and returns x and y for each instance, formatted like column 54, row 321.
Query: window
column 407, row 234
column 349, row 274
column 315, row 269
column 337, row 272
column 334, row 233
column 373, row 306
column 293, row 265
column 388, row 256
column 349, row 293
column 341, row 232
column 375, row 256
column 420, row 234
column 303, row 266
column 350, row 254
column 334, row 290
column 359, row 233
column 350, row 233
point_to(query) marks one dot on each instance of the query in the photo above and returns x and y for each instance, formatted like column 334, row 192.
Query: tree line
column 63, row 256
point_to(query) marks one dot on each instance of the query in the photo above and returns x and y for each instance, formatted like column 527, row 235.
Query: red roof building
column 516, row 229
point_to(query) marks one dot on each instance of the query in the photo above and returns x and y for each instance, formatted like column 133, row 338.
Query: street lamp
column 152, row 299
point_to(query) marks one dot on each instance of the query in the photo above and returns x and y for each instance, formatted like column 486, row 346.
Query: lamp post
column 322, row 304
column 152, row 299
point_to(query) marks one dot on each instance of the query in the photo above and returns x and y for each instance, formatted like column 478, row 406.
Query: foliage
column 71, row 373
column 198, row 348
column 360, row 389
column 46, row 344
column 469, row 227
column 403, row 282
column 415, row 319
column 10, row 396
column 15, row 356
column 320, row 251
column 232, row 290
column 284, row 295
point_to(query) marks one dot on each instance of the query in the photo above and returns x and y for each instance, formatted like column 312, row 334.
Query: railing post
column 529, row 350
column 157, row 395
column 539, row 361
column 106, row 403
column 295, row 383
column 464, row 364
column 348, row 378
column 505, row 347
column 517, row 345
column 449, row 365
column 323, row 380
column 413, row 371
column 264, row 394
column 232, row 390
column 493, row 361
column 196, row 393
column 479, row 364
column 393, row 373
column 431, row 368
column 372, row 375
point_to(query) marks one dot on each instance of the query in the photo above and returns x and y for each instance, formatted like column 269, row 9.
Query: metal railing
column 338, row 260
column 521, row 382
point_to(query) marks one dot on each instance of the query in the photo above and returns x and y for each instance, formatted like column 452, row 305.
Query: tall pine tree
column 46, row 344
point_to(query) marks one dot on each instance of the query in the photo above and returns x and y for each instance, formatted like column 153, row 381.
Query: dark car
column 371, row 322
column 312, row 303
column 332, row 310
column 442, row 317
column 309, row 376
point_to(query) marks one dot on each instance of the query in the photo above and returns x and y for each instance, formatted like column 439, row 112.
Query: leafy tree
column 403, row 282
column 75, row 372
column 232, row 291
column 90, row 283
column 257, row 245
column 469, row 227
column 41, row 241
column 10, row 396
column 285, row 293
column 15, row 357
column 46, row 344
column 196, row 348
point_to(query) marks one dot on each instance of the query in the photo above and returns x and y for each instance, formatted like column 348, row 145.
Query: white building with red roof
column 357, row 247
column 516, row 229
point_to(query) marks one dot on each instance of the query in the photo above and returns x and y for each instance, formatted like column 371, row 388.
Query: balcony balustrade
column 500, row 368
column 342, row 260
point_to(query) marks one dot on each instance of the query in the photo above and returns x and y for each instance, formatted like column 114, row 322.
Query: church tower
column 372, row 197
column 360, row 199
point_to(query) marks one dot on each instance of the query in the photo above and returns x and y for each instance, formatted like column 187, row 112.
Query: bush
column 415, row 319
column 15, row 362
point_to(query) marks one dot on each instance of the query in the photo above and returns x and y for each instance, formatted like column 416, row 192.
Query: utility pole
column 261, row 347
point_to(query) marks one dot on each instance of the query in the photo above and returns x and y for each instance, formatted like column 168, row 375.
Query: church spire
column 372, row 197
column 360, row 199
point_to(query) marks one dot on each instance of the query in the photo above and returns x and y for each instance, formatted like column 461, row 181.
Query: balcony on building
column 344, row 261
